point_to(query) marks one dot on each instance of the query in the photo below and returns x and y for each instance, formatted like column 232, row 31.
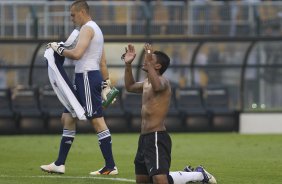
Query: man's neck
column 86, row 20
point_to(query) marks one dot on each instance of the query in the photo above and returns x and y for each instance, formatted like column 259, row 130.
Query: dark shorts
column 153, row 156
column 88, row 92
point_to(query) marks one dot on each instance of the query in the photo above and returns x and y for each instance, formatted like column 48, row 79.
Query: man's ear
column 158, row 66
column 83, row 11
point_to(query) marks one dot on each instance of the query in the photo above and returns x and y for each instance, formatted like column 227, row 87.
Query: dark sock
column 105, row 142
column 66, row 142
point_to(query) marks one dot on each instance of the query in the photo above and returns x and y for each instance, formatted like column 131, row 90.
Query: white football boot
column 105, row 171
column 208, row 178
column 52, row 168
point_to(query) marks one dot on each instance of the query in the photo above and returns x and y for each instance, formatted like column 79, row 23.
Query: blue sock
column 105, row 142
column 66, row 142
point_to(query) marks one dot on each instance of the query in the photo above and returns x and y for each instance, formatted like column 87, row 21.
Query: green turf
column 232, row 158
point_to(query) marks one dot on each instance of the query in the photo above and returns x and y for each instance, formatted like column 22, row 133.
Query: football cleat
column 105, row 171
column 52, row 168
column 208, row 178
column 188, row 169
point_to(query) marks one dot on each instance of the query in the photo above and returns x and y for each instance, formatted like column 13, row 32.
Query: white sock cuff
column 69, row 133
column 104, row 134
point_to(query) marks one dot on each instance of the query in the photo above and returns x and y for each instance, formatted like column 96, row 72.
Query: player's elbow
column 130, row 88
column 76, row 56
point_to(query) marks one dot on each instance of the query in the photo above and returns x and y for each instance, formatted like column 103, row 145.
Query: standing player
column 90, row 71
column 152, row 161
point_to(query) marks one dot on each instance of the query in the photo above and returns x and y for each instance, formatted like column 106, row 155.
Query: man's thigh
column 160, row 179
column 88, row 89
column 156, row 179
column 143, row 179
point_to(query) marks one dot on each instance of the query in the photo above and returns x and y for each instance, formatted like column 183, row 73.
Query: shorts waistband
column 151, row 133
column 89, row 72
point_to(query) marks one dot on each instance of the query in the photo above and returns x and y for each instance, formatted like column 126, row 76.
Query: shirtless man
column 153, row 158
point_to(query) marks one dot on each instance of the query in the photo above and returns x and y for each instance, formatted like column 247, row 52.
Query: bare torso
column 154, row 108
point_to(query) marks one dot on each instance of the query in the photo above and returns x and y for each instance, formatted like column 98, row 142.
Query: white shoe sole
column 113, row 172
column 51, row 172
column 53, row 169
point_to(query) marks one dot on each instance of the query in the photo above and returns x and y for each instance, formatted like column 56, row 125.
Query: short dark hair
column 162, row 59
column 81, row 4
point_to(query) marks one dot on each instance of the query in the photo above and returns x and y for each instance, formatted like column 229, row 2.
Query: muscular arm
column 158, row 83
column 85, row 36
column 130, row 84
column 103, row 66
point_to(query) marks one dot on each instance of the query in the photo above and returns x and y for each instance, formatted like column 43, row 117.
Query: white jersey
column 61, row 87
column 92, row 56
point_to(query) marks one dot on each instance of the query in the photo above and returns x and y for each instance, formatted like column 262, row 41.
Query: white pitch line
column 72, row 177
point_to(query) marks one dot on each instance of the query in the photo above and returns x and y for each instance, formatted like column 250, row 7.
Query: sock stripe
column 68, row 133
column 104, row 134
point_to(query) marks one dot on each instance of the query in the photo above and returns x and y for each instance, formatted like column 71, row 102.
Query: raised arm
column 158, row 82
column 130, row 84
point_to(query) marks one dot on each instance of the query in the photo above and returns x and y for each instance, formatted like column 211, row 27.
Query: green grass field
column 230, row 157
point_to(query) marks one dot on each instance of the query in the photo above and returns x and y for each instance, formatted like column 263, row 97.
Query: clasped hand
column 59, row 48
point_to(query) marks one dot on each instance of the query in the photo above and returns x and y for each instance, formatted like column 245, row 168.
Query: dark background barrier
column 229, row 76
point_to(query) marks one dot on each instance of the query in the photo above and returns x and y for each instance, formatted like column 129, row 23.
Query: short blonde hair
column 81, row 4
